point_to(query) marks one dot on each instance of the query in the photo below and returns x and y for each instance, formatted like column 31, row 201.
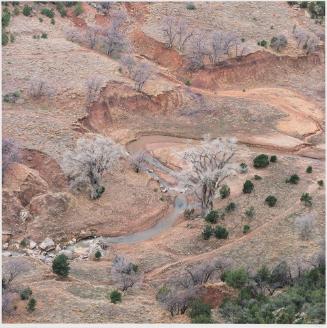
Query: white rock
column 32, row 244
column 5, row 246
column 6, row 254
column 68, row 253
column 58, row 248
column 47, row 244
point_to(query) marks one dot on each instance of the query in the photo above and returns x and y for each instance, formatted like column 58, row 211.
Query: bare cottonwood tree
column 39, row 88
column 169, row 30
column 141, row 73
column 86, row 164
column 125, row 273
column 10, row 271
column 138, row 162
column 129, row 63
column 197, row 52
column 216, row 47
column 93, row 88
column 305, row 40
column 305, row 224
column 10, row 152
column 183, row 34
column 113, row 38
column 73, row 34
column 91, row 36
column 231, row 40
column 209, row 165
column 278, row 42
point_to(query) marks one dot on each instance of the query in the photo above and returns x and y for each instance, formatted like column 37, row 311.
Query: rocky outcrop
column 50, row 204
column 47, row 244
column 24, row 183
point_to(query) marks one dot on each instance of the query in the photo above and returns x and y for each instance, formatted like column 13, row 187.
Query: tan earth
column 271, row 102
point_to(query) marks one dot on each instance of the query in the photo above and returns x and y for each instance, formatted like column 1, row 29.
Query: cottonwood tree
column 91, row 36
column 39, row 87
column 138, row 161
column 183, row 34
column 216, row 47
column 209, row 165
column 86, row 164
column 113, row 38
column 278, row 42
column 141, row 73
column 169, row 30
column 93, row 88
column 129, row 63
column 305, row 224
column 305, row 40
column 197, row 52
column 125, row 273
column 10, row 271
column 10, row 153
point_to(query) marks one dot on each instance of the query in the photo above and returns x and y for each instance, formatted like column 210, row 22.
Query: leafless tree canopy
column 176, row 32
column 278, row 42
column 85, row 165
column 305, row 225
column 91, row 36
column 129, row 63
column 209, row 166
column 93, row 88
column 197, row 51
column 113, row 39
column 10, row 271
column 125, row 273
column 39, row 88
column 138, row 162
column 10, row 153
column 305, row 40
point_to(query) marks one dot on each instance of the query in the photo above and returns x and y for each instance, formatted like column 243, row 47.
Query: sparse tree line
column 180, row 294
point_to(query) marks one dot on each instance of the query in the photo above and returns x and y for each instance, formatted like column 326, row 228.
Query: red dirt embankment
column 255, row 66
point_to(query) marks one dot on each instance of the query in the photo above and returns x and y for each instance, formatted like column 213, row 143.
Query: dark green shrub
column 317, row 9
column 97, row 254
column 257, row 177
column 293, row 179
column 31, row 305
column 47, row 12
column 292, row 3
column 5, row 38
column 23, row 243
column 263, row 43
column 60, row 265
column 243, row 40
column 78, row 10
column 115, row 296
column 261, row 161
column 250, row 212
column 306, row 199
column 199, row 309
column 5, row 19
column 207, row 232
column 230, row 207
column 246, row 228
column 190, row 6
column 25, row 293
column 44, row 35
column 321, row 183
column 61, row 9
column 221, row 232
column 278, row 42
column 243, row 168
column 11, row 97
column 248, row 187
column 27, row 10
column 16, row 11
column 212, row 216
column 69, row 3
column 98, row 192
column 303, row 4
column 224, row 191
column 273, row 159
column 188, row 82
column 309, row 169
column 235, row 278
column 40, row 19
column 271, row 201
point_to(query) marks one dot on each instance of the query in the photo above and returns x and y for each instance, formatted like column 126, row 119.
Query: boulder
column 24, row 182
column 68, row 253
column 47, row 244
column 32, row 244
column 50, row 204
